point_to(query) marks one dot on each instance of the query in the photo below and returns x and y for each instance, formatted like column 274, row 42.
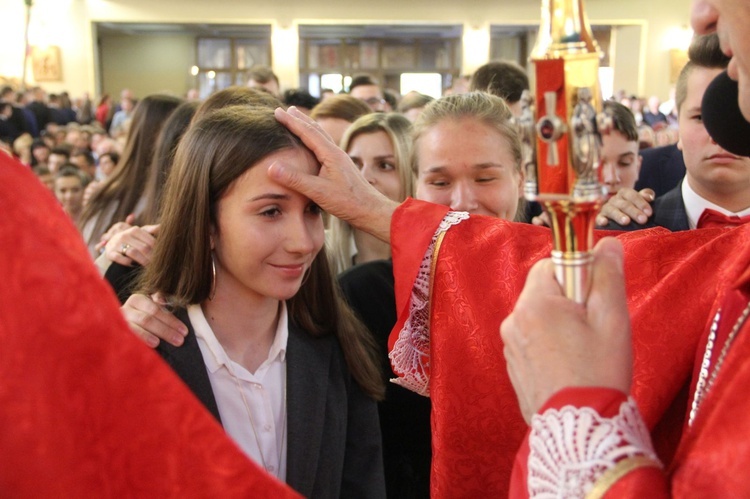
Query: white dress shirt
column 256, row 423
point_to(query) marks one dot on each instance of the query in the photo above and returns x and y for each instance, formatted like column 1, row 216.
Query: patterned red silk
column 712, row 458
column 87, row 409
column 481, row 269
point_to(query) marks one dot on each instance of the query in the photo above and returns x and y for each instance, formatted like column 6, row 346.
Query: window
column 425, row 83
column 223, row 61
column 330, row 55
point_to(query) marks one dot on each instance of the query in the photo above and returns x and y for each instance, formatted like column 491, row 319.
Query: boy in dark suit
column 716, row 184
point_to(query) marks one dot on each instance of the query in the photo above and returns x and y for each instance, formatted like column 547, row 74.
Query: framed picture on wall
column 45, row 63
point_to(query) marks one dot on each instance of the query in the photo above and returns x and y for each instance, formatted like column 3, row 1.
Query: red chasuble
column 478, row 270
column 87, row 409
column 714, row 453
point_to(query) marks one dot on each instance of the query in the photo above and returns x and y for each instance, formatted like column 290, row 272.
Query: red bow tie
column 712, row 218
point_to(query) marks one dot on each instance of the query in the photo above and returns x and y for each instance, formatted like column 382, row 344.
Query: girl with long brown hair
column 271, row 351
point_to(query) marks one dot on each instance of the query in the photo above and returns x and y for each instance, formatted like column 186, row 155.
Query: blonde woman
column 379, row 144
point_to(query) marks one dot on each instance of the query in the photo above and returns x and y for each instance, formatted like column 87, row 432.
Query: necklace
column 277, row 471
column 705, row 378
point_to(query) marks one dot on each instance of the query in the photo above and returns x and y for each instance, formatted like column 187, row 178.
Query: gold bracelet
column 612, row 475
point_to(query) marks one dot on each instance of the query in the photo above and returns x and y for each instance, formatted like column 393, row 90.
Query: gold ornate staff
column 565, row 179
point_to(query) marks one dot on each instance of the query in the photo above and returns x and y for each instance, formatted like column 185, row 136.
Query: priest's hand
column 552, row 343
column 626, row 206
column 339, row 188
column 151, row 321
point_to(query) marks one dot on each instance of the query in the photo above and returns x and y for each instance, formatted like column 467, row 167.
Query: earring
column 213, row 278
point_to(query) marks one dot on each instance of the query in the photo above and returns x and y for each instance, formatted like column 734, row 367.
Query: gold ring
column 124, row 249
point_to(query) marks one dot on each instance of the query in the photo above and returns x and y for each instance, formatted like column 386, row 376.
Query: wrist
column 575, row 452
column 377, row 216
column 605, row 401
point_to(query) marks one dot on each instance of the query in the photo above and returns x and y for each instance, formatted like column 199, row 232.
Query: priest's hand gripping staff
column 566, row 176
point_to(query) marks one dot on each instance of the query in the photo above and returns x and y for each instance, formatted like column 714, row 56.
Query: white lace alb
column 572, row 448
column 410, row 356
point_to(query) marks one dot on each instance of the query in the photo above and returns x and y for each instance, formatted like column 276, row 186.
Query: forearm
column 375, row 218
column 417, row 228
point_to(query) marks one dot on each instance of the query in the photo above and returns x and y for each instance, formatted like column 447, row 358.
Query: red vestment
column 477, row 275
column 88, row 410
column 714, row 452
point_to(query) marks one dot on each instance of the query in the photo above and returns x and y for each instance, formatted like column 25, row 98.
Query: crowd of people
column 46, row 132
column 289, row 257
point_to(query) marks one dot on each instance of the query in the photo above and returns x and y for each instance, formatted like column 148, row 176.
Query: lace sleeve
column 574, row 450
column 410, row 355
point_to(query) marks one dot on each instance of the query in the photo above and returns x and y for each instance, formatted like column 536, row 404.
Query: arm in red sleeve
column 412, row 229
column 588, row 442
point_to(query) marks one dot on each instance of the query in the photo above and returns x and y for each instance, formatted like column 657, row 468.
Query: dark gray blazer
column 662, row 169
column 333, row 434
column 669, row 212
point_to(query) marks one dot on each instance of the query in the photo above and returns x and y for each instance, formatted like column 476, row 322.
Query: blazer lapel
column 187, row 362
column 307, row 371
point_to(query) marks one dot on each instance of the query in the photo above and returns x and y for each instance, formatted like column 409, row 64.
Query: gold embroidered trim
column 612, row 475
column 433, row 262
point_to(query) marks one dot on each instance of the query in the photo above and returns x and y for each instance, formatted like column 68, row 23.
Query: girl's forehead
column 378, row 135
column 463, row 130
column 460, row 126
column 298, row 159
